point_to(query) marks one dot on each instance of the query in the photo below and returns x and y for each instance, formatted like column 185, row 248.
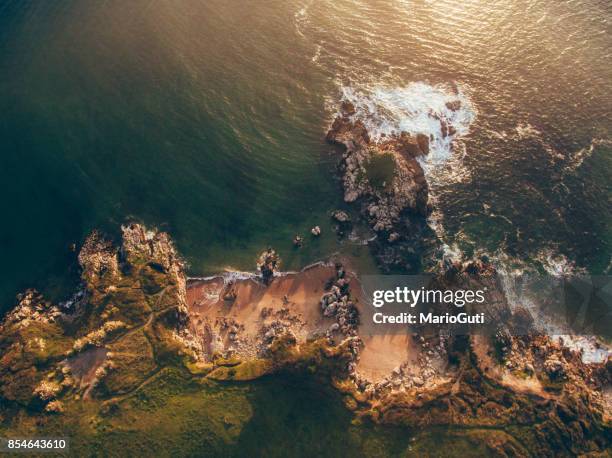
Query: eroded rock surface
column 385, row 175
column 386, row 181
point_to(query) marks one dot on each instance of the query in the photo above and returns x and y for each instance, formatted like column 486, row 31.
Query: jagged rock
column 423, row 142
column 347, row 108
column 455, row 105
column 98, row 259
column 341, row 216
column 555, row 368
column 267, row 264
column 385, row 176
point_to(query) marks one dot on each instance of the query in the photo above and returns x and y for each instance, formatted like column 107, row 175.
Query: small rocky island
column 139, row 322
column 385, row 180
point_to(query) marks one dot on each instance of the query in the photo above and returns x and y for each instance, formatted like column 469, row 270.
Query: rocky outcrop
column 337, row 303
column 127, row 292
column 157, row 253
column 384, row 175
column 385, row 179
column 268, row 263
column 98, row 259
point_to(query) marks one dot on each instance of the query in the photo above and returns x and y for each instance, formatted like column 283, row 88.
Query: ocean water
column 207, row 118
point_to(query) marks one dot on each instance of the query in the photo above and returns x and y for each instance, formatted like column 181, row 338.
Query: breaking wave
column 443, row 112
column 513, row 272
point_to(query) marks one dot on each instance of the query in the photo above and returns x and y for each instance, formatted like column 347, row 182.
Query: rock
column 298, row 241
column 98, row 259
column 455, row 105
column 270, row 334
column 347, row 108
column 407, row 145
column 393, row 237
column 344, row 131
column 444, row 128
column 55, row 407
column 387, row 181
column 229, row 292
column 341, row 216
column 316, row 231
column 503, row 341
column 423, row 142
column 267, row 264
column 555, row 368
column 330, row 310
column 418, row 381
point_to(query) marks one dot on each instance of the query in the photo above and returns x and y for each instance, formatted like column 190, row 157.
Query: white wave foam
column 526, row 130
column 317, row 55
column 231, row 275
column 416, row 108
column 512, row 272
column 576, row 160
column 558, row 265
column 228, row 276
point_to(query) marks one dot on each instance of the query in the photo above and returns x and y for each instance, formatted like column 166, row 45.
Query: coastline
column 139, row 315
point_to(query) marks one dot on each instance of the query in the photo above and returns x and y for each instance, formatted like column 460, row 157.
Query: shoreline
column 138, row 314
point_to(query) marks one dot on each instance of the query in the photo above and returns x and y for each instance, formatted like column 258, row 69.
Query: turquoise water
column 206, row 118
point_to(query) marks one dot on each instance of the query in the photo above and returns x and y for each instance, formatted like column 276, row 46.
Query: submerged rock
column 341, row 216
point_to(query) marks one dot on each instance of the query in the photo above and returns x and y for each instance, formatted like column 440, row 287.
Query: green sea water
column 207, row 118
column 184, row 117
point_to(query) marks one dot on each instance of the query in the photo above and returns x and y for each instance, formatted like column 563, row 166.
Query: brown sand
column 298, row 294
column 295, row 296
column 381, row 353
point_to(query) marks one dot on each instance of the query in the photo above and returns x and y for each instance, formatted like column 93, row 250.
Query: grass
column 275, row 416
column 380, row 170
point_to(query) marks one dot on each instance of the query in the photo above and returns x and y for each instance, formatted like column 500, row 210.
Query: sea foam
column 415, row 108
column 513, row 272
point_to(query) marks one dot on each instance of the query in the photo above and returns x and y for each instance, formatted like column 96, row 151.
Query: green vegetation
column 380, row 170
column 177, row 415
column 117, row 381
